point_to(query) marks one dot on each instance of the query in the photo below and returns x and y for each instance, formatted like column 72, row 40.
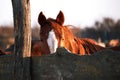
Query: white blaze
column 52, row 41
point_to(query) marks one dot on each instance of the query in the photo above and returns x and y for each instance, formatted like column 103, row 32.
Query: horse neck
column 88, row 46
column 70, row 42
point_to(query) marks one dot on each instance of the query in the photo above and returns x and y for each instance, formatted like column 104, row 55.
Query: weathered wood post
column 22, row 31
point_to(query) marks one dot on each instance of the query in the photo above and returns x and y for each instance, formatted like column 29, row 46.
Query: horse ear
column 60, row 18
column 41, row 19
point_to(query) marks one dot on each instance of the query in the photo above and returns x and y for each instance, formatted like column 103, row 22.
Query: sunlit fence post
column 22, row 31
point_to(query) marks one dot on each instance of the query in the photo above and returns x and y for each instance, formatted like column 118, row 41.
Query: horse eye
column 62, row 38
column 41, row 32
column 41, row 39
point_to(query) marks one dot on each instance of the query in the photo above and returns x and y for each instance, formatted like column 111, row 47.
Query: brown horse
column 38, row 48
column 54, row 34
column 114, row 42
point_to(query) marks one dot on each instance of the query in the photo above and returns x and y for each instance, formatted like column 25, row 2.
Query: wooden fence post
column 22, row 31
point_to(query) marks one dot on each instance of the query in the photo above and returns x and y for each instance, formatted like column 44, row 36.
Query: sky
column 76, row 12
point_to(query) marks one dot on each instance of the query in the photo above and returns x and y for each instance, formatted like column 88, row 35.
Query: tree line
column 106, row 30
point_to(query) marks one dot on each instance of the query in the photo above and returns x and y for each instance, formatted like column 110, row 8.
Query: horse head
column 53, row 32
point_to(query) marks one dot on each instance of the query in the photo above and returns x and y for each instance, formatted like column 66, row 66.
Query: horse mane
column 87, row 46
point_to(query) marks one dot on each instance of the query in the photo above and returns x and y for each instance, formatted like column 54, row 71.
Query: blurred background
column 96, row 19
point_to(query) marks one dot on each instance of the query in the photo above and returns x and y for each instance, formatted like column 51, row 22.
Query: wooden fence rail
column 103, row 65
